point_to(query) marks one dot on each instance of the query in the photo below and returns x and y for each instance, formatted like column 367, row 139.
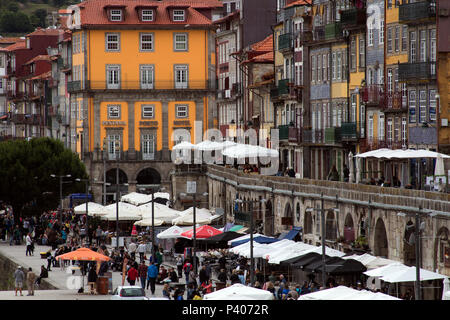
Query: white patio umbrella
column 446, row 289
column 239, row 292
column 148, row 222
column 409, row 274
column 346, row 293
column 439, row 168
column 240, row 151
column 184, row 145
column 127, row 212
column 94, row 209
column 386, row 270
column 351, row 168
column 186, row 218
column 162, row 212
column 208, row 145
column 172, row 232
column 136, row 198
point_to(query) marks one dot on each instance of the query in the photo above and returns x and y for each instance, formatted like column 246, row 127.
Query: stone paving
column 57, row 277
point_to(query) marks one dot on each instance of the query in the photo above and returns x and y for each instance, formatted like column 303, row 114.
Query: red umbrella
column 202, row 232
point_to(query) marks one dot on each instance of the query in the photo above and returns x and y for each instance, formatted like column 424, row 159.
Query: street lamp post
column 87, row 200
column 252, row 262
column 60, row 191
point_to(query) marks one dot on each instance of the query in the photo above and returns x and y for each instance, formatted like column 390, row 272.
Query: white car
column 129, row 293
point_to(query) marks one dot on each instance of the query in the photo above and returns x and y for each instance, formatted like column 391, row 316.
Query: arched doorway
column 308, row 222
column 111, row 187
column 442, row 248
column 349, row 230
column 268, row 219
column 409, row 244
column 288, row 219
column 147, row 178
column 380, row 242
column 330, row 226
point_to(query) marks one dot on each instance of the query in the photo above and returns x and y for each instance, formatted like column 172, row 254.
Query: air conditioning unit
column 444, row 122
column 228, row 93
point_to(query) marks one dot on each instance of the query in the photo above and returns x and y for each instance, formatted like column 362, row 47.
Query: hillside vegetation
column 23, row 16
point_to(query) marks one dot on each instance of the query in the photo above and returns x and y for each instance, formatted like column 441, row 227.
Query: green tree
column 17, row 22
column 26, row 168
column 13, row 7
column 39, row 18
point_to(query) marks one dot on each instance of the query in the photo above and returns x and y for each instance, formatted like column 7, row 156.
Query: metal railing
column 138, row 85
column 417, row 71
column 412, row 12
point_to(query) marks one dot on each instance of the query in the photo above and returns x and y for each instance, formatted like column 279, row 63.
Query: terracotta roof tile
column 46, row 32
column 264, row 45
column 16, row 46
column 228, row 17
column 93, row 12
column 298, row 3
column 9, row 39
column 38, row 58
column 266, row 57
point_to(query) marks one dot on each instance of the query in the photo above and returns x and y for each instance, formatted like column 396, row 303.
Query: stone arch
column 380, row 241
column 330, row 226
column 441, row 244
column 288, row 214
column 308, row 222
column 268, row 218
column 349, row 229
column 409, row 247
column 148, row 176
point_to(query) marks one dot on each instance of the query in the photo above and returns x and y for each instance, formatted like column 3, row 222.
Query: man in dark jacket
column 203, row 275
column 222, row 277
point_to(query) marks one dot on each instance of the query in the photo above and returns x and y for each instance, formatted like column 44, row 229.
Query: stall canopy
column 291, row 234
column 223, row 237
column 345, row 293
column 293, row 251
column 127, row 212
column 239, row 292
column 94, row 209
column 401, row 154
column 148, row 222
column 201, row 232
column 345, row 266
column 202, row 216
column 258, row 239
column 386, row 270
column 316, row 265
column 409, row 274
column 162, row 212
column 246, row 236
column 370, row 261
column 299, row 262
column 208, row 145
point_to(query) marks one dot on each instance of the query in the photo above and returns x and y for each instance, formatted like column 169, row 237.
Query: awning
column 401, row 154
column 316, row 265
column 291, row 234
column 345, row 266
column 259, row 239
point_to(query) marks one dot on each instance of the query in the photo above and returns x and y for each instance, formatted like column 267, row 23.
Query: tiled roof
column 93, row 12
column 228, row 17
column 16, row 46
column 299, row 3
column 38, row 58
column 9, row 39
column 46, row 32
column 44, row 75
column 264, row 45
column 266, row 57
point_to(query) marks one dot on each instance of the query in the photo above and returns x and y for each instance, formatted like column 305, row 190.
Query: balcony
column 354, row 18
column 307, row 135
column 348, row 131
column 36, row 119
column 318, row 136
column 417, row 13
column 306, row 36
column 285, row 42
column 283, row 132
column 332, row 135
column 395, row 102
column 319, row 33
column 333, row 31
column 373, row 94
column 295, row 135
column 419, row 71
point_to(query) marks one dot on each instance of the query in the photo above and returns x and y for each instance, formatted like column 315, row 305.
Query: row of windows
column 147, row 15
column 147, row 111
column 320, row 67
column 146, row 42
column 425, row 104
column 326, row 115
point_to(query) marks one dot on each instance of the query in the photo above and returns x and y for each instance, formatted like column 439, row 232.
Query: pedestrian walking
column 180, row 266
column 152, row 274
column 186, row 269
column 19, row 276
column 143, row 268
column 132, row 275
column 31, row 278
column 98, row 235
column 92, row 279
column 132, row 249
column 141, row 250
column 29, row 243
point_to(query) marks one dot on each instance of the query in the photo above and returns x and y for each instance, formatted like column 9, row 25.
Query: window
column 328, row 67
column 370, row 35
column 362, row 120
column 344, row 66
column 404, row 38
column 319, row 68
column 382, row 31
column 116, row 14
column 389, row 131
column 433, row 50
column 178, row 15
column 353, row 54
column 389, row 40
column 422, row 106
column 324, row 68
column 362, row 52
column 333, row 67
column 313, row 68
column 147, row 15
column 397, row 39
column 389, row 80
column 181, row 76
column 412, row 46
column 146, row 41
column 423, row 46
column 432, row 98
column 339, row 66
column 396, row 129
column 381, row 127
column 113, row 111
column 113, row 77
column 181, row 42
column 370, row 127
column 353, row 111
column 148, row 146
column 389, row 4
column 147, row 76
column 181, row 111
column 112, row 41
column 113, row 146
column 404, row 131
column 148, row 111
column 412, row 106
